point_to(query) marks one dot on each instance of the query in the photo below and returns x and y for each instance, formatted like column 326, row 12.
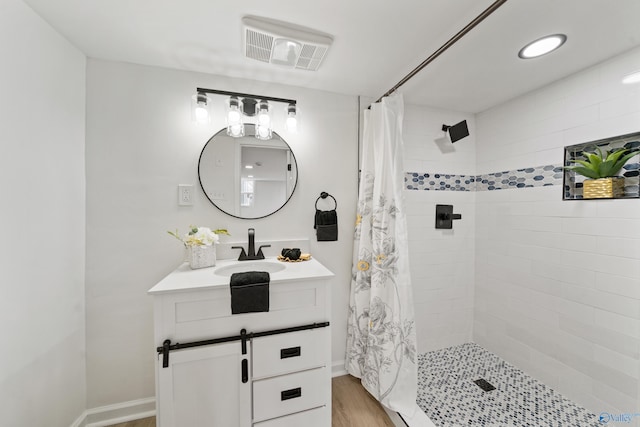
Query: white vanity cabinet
column 284, row 376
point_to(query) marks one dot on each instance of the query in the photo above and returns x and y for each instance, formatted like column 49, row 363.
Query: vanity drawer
column 288, row 394
column 318, row 417
column 291, row 352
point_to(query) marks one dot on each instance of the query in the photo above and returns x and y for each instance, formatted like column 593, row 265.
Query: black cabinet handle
column 291, row 394
column 245, row 371
column 165, row 353
column 285, row 353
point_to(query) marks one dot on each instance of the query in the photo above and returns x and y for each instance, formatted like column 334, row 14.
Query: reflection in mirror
column 246, row 177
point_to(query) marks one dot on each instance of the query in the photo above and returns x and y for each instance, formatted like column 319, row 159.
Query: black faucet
column 251, row 250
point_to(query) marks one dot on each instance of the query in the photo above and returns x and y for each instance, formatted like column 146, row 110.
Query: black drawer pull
column 291, row 394
column 285, row 353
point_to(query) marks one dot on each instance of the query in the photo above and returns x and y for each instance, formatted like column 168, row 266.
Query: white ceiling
column 376, row 42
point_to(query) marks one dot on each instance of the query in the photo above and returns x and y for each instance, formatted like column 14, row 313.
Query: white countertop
column 184, row 278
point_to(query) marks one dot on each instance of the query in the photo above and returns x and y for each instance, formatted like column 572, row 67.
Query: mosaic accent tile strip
column 439, row 182
column 448, row 395
column 540, row 176
column 519, row 178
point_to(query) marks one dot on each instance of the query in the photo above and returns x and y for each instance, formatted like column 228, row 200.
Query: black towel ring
column 324, row 195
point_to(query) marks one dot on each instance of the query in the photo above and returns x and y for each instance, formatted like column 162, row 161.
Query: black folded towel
column 326, row 218
column 326, row 225
column 249, row 292
column 293, row 254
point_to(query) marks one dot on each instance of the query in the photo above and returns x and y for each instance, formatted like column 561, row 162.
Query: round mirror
column 246, row 177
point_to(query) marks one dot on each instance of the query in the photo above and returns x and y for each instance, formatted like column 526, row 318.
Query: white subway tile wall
column 442, row 261
column 557, row 283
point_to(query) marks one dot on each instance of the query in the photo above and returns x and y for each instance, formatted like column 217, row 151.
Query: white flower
column 206, row 236
column 200, row 236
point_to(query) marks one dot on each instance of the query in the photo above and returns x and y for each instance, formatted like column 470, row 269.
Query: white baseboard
column 118, row 413
column 338, row 369
column 81, row 421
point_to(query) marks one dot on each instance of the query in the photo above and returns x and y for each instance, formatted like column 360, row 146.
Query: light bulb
column 292, row 123
column 263, row 131
column 264, row 119
column 200, row 108
column 235, row 127
column 233, row 116
column 237, row 130
column 202, row 115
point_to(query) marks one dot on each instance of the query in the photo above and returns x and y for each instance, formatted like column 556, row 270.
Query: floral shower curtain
column 381, row 342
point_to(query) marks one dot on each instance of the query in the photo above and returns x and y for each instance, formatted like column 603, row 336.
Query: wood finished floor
column 352, row 407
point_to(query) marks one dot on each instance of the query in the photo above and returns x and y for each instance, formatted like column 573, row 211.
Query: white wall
column 558, row 282
column 140, row 145
column 441, row 261
column 42, row 82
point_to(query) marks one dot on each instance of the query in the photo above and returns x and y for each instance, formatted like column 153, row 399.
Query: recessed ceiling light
column 631, row 78
column 248, row 167
column 542, row 46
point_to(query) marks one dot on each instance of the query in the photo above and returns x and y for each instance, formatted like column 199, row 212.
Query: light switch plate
column 185, row 195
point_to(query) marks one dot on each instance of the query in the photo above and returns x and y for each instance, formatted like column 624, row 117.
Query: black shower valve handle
column 450, row 217
column 445, row 216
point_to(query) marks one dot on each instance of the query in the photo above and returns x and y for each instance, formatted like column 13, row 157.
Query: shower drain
column 484, row 384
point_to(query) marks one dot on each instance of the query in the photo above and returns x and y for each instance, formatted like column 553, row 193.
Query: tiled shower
column 552, row 286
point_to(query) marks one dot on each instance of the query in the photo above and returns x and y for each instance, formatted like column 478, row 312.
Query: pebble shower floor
column 448, row 395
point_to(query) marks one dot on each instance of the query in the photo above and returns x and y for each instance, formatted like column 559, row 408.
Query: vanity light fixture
column 245, row 108
column 542, row 46
column 201, row 108
column 235, row 127
column 263, row 122
column 631, row 78
column 292, row 118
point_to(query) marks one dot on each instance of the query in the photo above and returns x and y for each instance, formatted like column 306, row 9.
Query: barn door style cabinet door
column 203, row 387
column 265, row 369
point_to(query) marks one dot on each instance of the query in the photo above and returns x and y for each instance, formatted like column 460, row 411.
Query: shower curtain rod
column 488, row 11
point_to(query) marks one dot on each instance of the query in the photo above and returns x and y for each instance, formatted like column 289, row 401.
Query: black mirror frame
column 295, row 185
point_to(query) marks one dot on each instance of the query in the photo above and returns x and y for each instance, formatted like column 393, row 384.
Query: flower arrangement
column 200, row 236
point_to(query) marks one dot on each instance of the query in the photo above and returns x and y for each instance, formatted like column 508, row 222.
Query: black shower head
column 457, row 131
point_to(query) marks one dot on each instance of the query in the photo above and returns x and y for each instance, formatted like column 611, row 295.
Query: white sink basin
column 243, row 266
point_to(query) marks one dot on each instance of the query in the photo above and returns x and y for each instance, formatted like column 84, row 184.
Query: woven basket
column 603, row 188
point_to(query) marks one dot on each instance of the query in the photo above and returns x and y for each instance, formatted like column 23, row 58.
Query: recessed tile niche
column 573, row 182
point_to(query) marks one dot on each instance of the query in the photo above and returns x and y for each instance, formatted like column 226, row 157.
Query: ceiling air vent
column 280, row 43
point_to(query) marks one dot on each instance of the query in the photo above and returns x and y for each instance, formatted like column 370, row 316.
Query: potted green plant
column 602, row 169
